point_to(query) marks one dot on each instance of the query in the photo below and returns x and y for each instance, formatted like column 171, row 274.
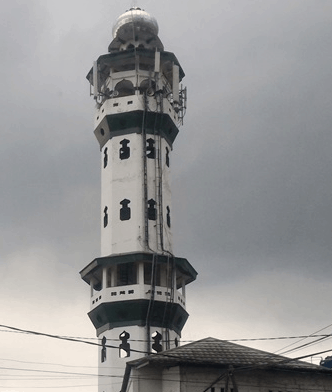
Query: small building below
column 212, row 365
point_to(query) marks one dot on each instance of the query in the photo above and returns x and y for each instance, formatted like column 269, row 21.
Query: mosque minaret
column 138, row 296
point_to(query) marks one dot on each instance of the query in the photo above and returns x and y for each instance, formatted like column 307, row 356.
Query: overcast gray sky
column 251, row 170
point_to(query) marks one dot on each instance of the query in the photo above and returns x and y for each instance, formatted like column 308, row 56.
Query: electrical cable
column 139, row 351
column 83, row 339
column 305, row 345
column 303, row 338
column 66, row 338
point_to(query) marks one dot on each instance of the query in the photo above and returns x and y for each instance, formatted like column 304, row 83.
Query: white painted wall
column 197, row 379
column 114, row 364
column 123, row 179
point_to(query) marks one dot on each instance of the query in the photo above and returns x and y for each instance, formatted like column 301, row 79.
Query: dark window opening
column 125, row 213
column 150, row 150
column 105, row 158
column 148, row 274
column 109, row 278
column 167, row 156
column 156, row 346
column 168, row 216
column 124, row 348
column 152, row 212
column 126, row 274
column 103, row 349
column 124, row 88
column 105, row 216
column 124, row 150
column 102, row 132
column 147, row 86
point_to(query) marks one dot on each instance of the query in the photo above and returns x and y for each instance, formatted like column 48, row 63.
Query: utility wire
column 303, row 338
column 116, row 347
column 248, row 368
column 305, row 345
column 83, row 339
column 65, row 338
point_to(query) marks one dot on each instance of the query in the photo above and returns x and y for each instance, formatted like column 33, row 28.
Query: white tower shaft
column 137, row 285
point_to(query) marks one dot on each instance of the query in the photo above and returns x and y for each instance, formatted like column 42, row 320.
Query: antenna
column 95, row 80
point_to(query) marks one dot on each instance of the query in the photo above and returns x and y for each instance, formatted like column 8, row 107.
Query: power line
column 305, row 345
column 48, row 363
column 116, row 347
column 65, row 338
column 305, row 337
column 84, row 339
column 248, row 368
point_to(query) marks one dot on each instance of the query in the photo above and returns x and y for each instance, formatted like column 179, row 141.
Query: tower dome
column 135, row 21
column 135, row 28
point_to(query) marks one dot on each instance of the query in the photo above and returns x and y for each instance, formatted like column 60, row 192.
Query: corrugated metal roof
column 221, row 353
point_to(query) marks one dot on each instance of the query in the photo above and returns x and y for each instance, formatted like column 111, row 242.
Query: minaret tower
column 137, row 284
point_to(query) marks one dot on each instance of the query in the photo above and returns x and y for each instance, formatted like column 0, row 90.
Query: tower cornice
column 182, row 264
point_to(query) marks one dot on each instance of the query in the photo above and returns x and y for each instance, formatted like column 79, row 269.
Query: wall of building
column 197, row 379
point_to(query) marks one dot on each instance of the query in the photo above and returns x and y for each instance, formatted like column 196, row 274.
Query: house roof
column 221, row 353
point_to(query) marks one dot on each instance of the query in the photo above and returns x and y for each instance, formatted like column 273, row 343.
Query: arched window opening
column 103, row 349
column 152, row 212
column 105, row 216
column 156, row 346
column 125, row 213
column 124, row 150
column 124, row 348
column 168, row 216
column 105, row 157
column 148, row 86
column 124, row 88
column 167, row 156
column 150, row 149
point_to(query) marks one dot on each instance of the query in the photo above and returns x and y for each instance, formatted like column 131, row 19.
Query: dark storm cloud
column 260, row 185
column 47, row 158
column 251, row 167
